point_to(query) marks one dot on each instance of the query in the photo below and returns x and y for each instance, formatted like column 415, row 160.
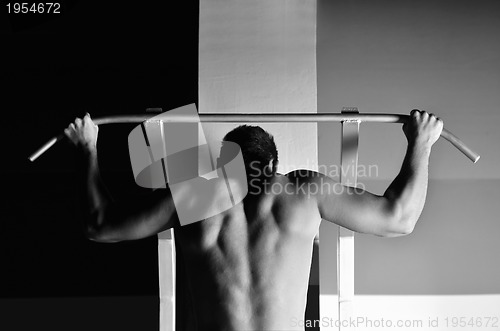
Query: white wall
column 256, row 57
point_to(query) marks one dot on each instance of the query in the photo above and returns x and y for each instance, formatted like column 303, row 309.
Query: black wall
column 105, row 59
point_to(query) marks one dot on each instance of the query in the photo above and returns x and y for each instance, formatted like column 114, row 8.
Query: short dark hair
column 256, row 145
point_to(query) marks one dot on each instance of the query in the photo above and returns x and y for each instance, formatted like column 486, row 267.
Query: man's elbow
column 100, row 237
column 397, row 230
column 405, row 228
column 400, row 223
column 93, row 233
column 98, row 233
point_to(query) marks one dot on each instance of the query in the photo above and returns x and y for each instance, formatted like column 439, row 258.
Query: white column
column 166, row 269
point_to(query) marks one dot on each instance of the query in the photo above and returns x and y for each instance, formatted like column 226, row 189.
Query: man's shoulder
column 302, row 176
column 311, row 182
column 300, row 181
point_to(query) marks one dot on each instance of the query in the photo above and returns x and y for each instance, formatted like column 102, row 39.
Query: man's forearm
column 408, row 191
column 96, row 196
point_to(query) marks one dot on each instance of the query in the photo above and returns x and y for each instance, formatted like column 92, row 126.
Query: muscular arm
column 396, row 212
column 107, row 220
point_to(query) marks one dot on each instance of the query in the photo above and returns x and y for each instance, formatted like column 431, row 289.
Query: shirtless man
column 248, row 267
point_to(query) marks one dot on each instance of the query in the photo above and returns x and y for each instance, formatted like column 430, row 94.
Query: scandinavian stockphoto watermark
column 319, row 182
column 424, row 323
column 359, row 322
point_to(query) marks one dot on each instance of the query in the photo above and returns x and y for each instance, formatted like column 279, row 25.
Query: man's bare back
column 248, row 267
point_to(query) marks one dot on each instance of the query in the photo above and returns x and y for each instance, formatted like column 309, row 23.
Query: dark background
column 102, row 58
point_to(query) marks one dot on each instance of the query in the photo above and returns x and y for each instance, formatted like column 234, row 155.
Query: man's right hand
column 423, row 128
column 83, row 133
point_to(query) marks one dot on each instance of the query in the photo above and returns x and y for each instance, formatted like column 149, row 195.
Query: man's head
column 258, row 149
